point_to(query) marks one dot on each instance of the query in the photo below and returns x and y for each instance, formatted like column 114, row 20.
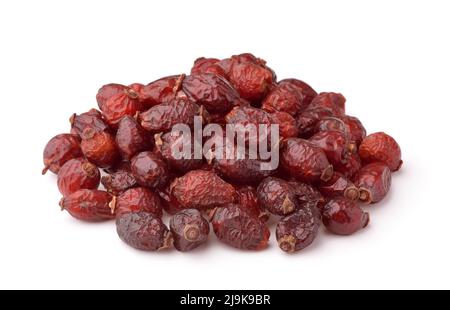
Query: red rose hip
column 344, row 217
column 374, row 182
column 189, row 229
column 383, row 148
column 77, row 174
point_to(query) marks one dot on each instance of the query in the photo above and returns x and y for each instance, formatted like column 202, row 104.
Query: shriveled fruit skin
column 118, row 182
column 286, row 98
column 355, row 128
column 143, row 231
column 304, row 161
column 107, row 91
column 247, row 199
column 161, row 117
column 173, row 141
column 329, row 100
column 235, row 227
column 77, row 174
column 201, row 189
column 331, row 124
column 189, row 230
column 136, row 200
column 277, row 196
column 99, row 148
column 241, row 171
column 373, row 181
column 90, row 119
column 307, row 91
column 214, row 92
column 149, row 169
column 308, row 195
column 88, row 205
column 335, row 145
column 287, row 124
column 307, row 120
column 381, row 147
column 60, row 149
column 120, row 105
column 298, row 230
column 131, row 138
column 351, row 167
column 252, row 81
column 169, row 203
column 207, row 65
column 344, row 217
column 160, row 91
column 339, row 186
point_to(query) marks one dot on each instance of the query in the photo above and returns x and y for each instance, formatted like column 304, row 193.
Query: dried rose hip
column 170, row 143
column 88, row 205
column 288, row 125
column 119, row 105
column 202, row 189
column 354, row 128
column 208, row 65
column 235, row 227
column 333, row 101
column 374, row 182
column 162, row 117
column 99, row 148
column 252, row 81
column 60, row 149
column 143, row 231
column 298, row 230
column 136, row 200
column 77, row 174
column 343, row 217
column 381, row 147
column 107, row 91
column 149, row 169
column 304, row 161
column 307, row 195
column 284, row 98
column 308, row 93
column 277, row 196
column 131, row 138
column 331, row 124
column 215, row 93
column 160, row 91
column 339, row 186
column 189, row 230
column 118, row 182
column 335, row 145
column 307, row 120
column 91, row 119
column 247, row 199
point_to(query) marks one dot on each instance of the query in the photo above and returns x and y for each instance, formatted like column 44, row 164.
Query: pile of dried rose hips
column 328, row 167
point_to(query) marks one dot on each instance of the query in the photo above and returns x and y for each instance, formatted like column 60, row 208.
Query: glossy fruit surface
column 91, row 119
column 136, row 200
column 118, row 182
column 99, row 148
column 149, row 169
column 77, row 174
column 383, row 148
column 131, row 138
column 88, row 205
column 374, row 182
column 60, row 149
column 339, row 186
column 344, row 217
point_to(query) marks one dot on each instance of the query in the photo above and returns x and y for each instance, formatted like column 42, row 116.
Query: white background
column 389, row 58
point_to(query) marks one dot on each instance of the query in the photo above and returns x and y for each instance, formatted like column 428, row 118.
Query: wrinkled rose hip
column 328, row 165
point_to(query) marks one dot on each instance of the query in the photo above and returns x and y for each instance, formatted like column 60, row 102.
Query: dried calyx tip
column 168, row 241
column 287, row 244
column 351, row 193
column 327, row 173
column 365, row 195
column 191, row 233
column 112, row 204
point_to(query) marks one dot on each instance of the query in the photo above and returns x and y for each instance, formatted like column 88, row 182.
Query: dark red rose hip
column 99, row 148
column 344, row 217
column 298, row 230
column 88, row 205
column 339, row 186
column 118, row 182
column 59, row 150
column 237, row 228
column 149, row 169
column 374, row 182
column 131, row 138
column 189, row 230
column 143, row 231
column 91, row 119
column 383, row 148
column 77, row 174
